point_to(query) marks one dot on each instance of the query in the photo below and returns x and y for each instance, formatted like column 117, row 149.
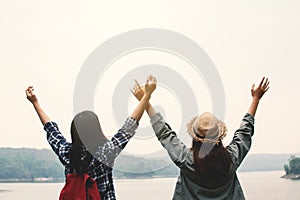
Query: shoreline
column 1, row 190
column 62, row 180
column 291, row 176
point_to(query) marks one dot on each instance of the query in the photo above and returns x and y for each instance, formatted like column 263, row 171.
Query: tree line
column 293, row 167
column 25, row 164
column 29, row 164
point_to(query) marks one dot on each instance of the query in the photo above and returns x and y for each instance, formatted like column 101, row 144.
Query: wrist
column 148, row 107
column 147, row 96
column 255, row 99
column 35, row 103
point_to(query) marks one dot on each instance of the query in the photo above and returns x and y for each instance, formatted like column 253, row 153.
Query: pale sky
column 44, row 44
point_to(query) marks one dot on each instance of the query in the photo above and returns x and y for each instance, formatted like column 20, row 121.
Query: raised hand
column 143, row 94
column 31, row 95
column 257, row 94
column 33, row 99
column 138, row 90
column 150, row 85
column 263, row 87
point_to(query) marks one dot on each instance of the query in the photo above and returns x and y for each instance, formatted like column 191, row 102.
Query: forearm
column 253, row 106
column 150, row 110
column 139, row 110
column 41, row 113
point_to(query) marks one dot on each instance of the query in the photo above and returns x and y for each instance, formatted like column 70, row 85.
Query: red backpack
column 79, row 187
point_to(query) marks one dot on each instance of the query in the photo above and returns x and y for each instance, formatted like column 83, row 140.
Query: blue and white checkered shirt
column 100, row 168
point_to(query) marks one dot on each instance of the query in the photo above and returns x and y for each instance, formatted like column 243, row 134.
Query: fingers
column 266, row 83
column 151, row 79
column 267, row 89
column 154, row 79
column 137, row 83
column 136, row 87
column 262, row 81
column 29, row 90
column 132, row 91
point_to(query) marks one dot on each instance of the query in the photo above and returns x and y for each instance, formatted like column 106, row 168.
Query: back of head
column 210, row 156
column 85, row 131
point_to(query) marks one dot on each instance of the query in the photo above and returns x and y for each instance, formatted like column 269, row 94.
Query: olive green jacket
column 192, row 186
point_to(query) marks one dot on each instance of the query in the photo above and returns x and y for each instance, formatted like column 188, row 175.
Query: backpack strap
column 80, row 186
column 92, row 192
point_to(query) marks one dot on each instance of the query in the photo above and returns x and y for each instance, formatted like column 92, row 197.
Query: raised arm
column 110, row 150
column 177, row 150
column 128, row 129
column 241, row 142
column 54, row 137
column 33, row 99
column 257, row 94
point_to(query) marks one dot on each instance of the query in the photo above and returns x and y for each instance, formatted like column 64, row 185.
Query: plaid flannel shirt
column 100, row 168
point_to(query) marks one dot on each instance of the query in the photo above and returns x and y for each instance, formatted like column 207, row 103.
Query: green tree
column 286, row 169
column 295, row 165
column 24, row 163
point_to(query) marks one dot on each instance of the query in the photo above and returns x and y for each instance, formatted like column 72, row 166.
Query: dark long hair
column 85, row 131
column 211, row 160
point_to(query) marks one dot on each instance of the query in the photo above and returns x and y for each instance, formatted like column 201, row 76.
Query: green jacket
column 190, row 185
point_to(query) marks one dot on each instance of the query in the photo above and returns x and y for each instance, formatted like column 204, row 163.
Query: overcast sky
column 44, row 44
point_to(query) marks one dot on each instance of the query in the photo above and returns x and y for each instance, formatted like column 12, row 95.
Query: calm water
column 256, row 185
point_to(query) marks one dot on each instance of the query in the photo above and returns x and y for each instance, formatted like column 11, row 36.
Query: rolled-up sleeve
column 58, row 142
column 111, row 149
column 130, row 126
column 176, row 149
column 241, row 142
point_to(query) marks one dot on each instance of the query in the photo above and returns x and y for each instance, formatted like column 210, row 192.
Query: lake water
column 256, row 186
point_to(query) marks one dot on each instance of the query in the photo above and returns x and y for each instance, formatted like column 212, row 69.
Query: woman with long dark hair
column 90, row 151
column 208, row 169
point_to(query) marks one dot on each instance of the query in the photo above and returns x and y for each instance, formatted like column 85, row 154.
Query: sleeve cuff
column 249, row 117
column 155, row 118
column 130, row 125
column 50, row 125
column 158, row 123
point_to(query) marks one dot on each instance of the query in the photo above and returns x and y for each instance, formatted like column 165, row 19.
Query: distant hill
column 135, row 167
column 264, row 162
column 28, row 164
column 25, row 164
column 31, row 165
column 252, row 162
column 255, row 162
